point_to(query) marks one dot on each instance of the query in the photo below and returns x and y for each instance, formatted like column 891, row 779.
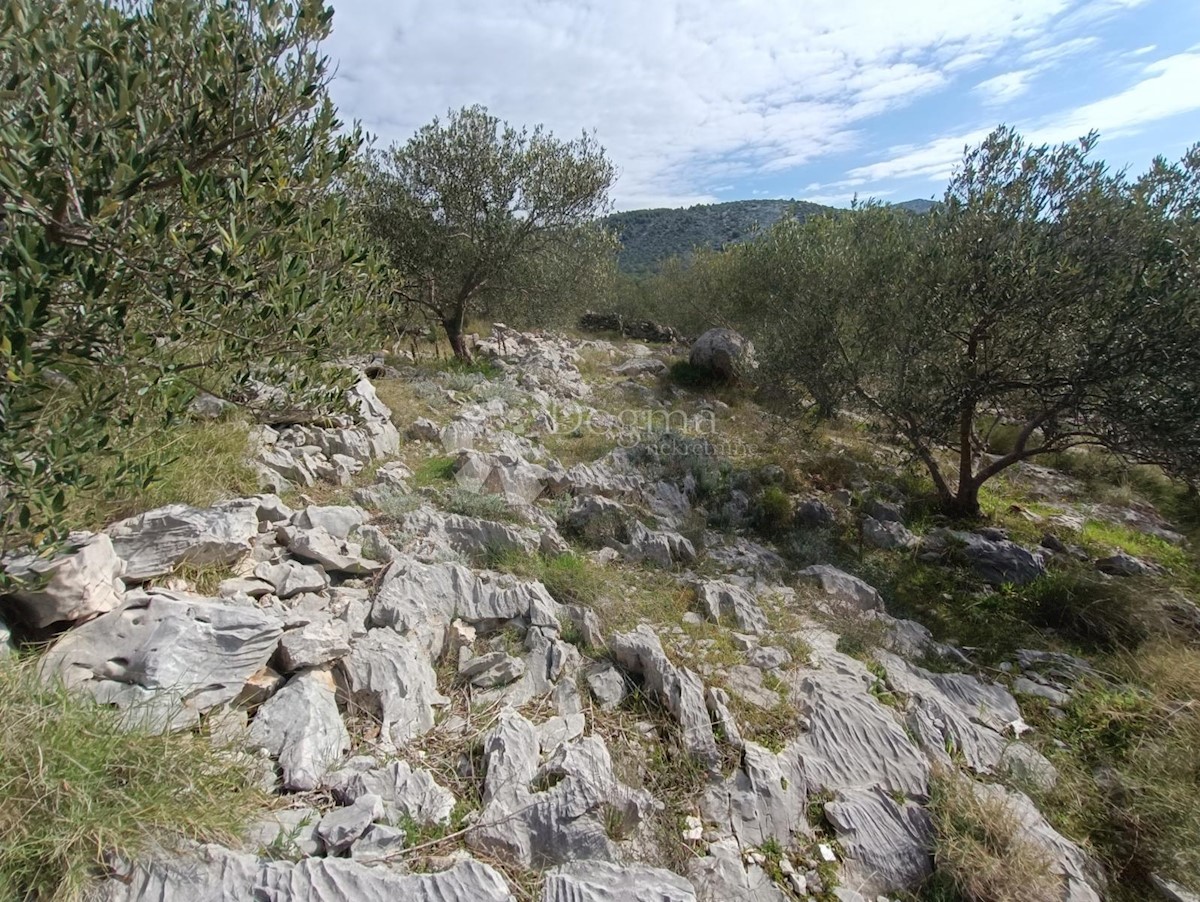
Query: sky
column 703, row 101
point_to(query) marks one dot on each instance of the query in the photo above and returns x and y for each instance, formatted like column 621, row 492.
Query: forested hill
column 649, row 237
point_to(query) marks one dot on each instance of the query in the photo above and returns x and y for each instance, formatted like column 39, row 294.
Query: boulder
column 723, row 352
column 762, row 801
column 389, row 676
column 885, row 845
column 341, row 827
column 337, row 520
column 313, row 645
column 82, row 581
column 678, row 688
column 406, row 792
column 290, row 578
column 842, row 587
column 501, row 474
column 332, row 553
column 606, row 684
column 493, row 669
column 725, row 602
column 154, row 543
column 215, row 874
column 888, row 534
column 300, row 726
column 166, row 657
column 1122, row 564
column 995, row 560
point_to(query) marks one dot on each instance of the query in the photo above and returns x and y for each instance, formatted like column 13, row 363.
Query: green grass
column 434, row 470
column 77, row 786
column 482, row 505
column 570, row 578
column 193, row 463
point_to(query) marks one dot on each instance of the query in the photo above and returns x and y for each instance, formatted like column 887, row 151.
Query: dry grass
column 77, row 786
column 979, row 847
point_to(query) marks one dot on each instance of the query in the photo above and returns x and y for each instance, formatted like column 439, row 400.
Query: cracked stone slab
column 885, row 845
column 154, row 543
column 300, row 726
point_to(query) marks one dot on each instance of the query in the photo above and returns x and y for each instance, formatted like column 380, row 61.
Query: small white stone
column 693, row 829
column 827, row 853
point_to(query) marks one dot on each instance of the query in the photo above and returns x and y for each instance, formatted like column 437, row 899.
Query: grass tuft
column 78, row 786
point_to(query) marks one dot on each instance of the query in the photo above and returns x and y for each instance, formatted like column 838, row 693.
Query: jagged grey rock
column 379, row 843
column 852, row 741
column 814, row 514
column 722, row 875
column 167, row 658
column 406, row 792
column 678, row 688
column 286, row 831
column 842, row 587
column 766, row 657
column 883, row 511
column 338, row 555
column 723, row 352
column 606, row 684
column 154, row 543
column 301, row 727
column 340, row 827
column 602, row 881
column 1122, row 564
column 764, row 799
column 337, row 520
column 724, row 601
column 662, row 547
column 493, row 669
column 81, row 582
column 995, row 560
column 390, row 676
column 566, row 821
column 251, row 587
column 501, row 474
column 888, row 534
column 313, row 645
column 885, row 845
column 291, row 577
column 422, row 599
column 214, row 874
column 434, row 532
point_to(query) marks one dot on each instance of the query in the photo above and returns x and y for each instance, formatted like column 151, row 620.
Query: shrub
column 1097, row 613
column 979, row 849
column 772, row 512
column 78, row 785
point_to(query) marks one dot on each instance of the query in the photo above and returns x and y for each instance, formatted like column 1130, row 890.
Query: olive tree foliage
column 474, row 213
column 1047, row 293
column 170, row 225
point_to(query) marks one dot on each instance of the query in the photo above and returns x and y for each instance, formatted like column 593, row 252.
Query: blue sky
column 700, row 101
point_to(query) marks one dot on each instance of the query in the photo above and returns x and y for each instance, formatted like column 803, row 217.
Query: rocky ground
column 496, row 647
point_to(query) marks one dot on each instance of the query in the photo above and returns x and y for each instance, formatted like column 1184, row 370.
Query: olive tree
column 171, row 224
column 1047, row 292
column 473, row 212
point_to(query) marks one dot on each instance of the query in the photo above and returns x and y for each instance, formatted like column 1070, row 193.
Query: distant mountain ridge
column 649, row 237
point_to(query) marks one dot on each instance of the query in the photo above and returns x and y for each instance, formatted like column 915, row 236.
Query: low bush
column 979, row 849
column 79, row 786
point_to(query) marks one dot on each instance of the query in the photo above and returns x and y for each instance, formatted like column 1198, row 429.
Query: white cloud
column 683, row 93
column 1001, row 89
column 1166, row 89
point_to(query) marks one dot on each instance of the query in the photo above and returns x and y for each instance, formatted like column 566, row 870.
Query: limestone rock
column 679, row 689
column 491, row 670
column 843, row 587
column 1122, row 564
column 722, row 601
column 338, row 555
column 337, row 520
column 154, row 543
column 996, row 560
column 291, row 577
column 885, row 845
column 763, row 800
column 606, row 684
column 167, row 657
column 723, row 352
column 602, row 881
column 888, row 534
column 81, row 582
column 390, row 677
column 313, row 645
column 406, row 792
column 301, row 727
column 342, row 826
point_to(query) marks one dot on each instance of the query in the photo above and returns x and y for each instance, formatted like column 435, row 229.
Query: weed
column 434, row 470
column 980, row 849
column 81, row 784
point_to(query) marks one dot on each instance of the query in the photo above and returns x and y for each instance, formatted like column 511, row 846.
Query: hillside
column 705, row 659
column 648, row 237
